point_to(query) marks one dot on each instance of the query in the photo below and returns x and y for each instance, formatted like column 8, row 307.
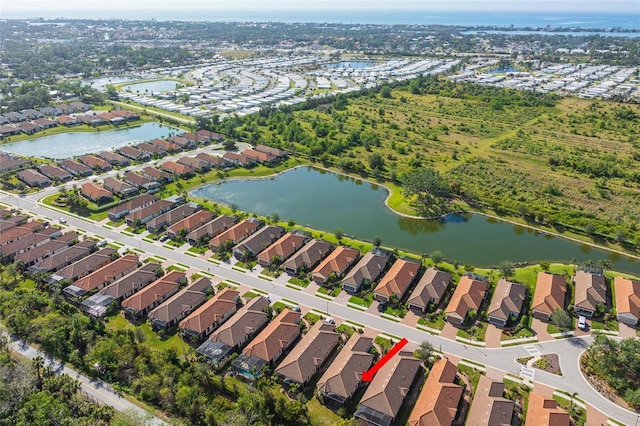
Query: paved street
column 96, row 389
column 502, row 359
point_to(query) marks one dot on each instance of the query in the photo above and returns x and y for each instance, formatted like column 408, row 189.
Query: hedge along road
column 502, row 359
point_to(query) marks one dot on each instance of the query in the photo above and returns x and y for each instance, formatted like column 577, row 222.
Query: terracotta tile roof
column 108, row 273
column 211, row 312
column 432, row 286
column 258, row 242
column 368, row 268
column 276, row 337
column 550, row 293
column 74, row 167
column 310, row 353
column 273, row 151
column 284, row 247
column 258, row 155
column 236, row 233
column 54, row 171
column 213, row 228
column 153, row 209
column 156, row 174
column 157, row 290
column 132, row 282
column 93, row 161
column 467, row 296
column 211, row 159
column 489, row 407
column 388, row 389
column 87, row 265
column 194, row 221
column 545, row 412
column 118, row 186
column 95, row 192
column 345, row 372
column 507, row 298
column 309, row 255
column 134, row 203
column 173, row 167
column 398, row 279
column 243, row 324
column 590, row 290
column 180, row 304
column 627, row 296
column 33, row 178
column 337, row 262
column 438, row 401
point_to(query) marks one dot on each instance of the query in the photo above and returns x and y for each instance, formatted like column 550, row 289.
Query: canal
column 327, row 201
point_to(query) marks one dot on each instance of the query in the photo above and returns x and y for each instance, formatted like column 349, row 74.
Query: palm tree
column 38, row 365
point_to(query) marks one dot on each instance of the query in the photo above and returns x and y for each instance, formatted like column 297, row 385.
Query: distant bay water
column 566, row 20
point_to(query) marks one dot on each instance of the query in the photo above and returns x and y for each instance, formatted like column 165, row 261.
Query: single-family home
column 147, row 213
column 11, row 163
column 335, row 265
column 550, row 294
column 627, row 300
column 236, row 233
column 137, row 305
column 33, row 178
column 118, row 187
column 249, row 248
column 140, row 182
column 158, row 223
column 194, row 164
column 546, row 412
column 179, row 305
column 127, row 115
column 45, row 123
column 6, row 131
column 308, row 356
column 62, row 258
column 177, row 169
column 211, row 160
column 131, row 206
column 590, row 291
column 55, row 172
column 307, row 257
column 211, row 229
column 96, row 163
column 87, row 265
column 468, row 296
column 259, row 156
column 278, row 153
column 28, row 128
column 366, row 271
column 238, row 159
column 430, row 290
column 129, row 284
column 95, row 193
column 506, row 302
column 438, row 401
column 489, row 406
column 210, row 315
column 282, row 249
column 386, row 393
column 158, row 175
column 154, row 150
column 133, row 153
column 188, row 224
column 397, row 280
column 66, row 120
column 114, row 159
column 75, row 168
column 101, row 277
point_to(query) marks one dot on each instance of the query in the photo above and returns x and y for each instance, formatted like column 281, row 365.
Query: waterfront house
column 430, row 290
column 627, row 300
column 256, row 243
column 133, row 153
column 188, row 224
column 211, row 229
column 114, row 159
column 550, row 294
column 397, row 280
column 335, row 264
column 366, row 271
column 96, row 163
column 467, row 296
column 236, row 233
column 506, row 302
column 307, row 257
column 177, row 169
column 33, row 178
column 75, row 168
column 590, row 291
column 55, row 172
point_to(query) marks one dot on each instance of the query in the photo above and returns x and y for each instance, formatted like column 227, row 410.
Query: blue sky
column 631, row 6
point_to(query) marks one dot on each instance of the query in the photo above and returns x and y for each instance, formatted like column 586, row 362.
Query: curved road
column 502, row 359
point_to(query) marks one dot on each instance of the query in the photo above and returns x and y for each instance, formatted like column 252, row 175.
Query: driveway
column 540, row 328
column 493, row 336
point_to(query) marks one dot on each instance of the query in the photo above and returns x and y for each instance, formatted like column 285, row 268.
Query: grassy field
column 569, row 166
column 118, row 322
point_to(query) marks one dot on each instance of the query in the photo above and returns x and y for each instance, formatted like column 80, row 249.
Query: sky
column 610, row 6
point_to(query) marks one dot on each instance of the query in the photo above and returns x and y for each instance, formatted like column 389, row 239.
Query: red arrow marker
column 367, row 376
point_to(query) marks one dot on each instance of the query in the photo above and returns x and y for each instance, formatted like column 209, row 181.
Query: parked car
column 164, row 238
column 582, row 322
column 382, row 306
column 62, row 220
column 329, row 320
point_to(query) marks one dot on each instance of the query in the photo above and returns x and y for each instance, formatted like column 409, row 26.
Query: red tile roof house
column 236, row 233
column 506, row 302
column 147, row 213
column 177, row 169
column 342, row 378
column 8, row 131
column 159, row 223
column 307, row 257
column 397, row 280
column 96, row 193
column 430, row 290
column 489, row 406
column 209, row 316
column 140, row 182
column 118, row 187
column 13, row 234
column 282, row 249
column 131, row 283
column 211, row 229
column 212, row 136
column 112, row 118
column 335, row 265
column 9, row 163
column 627, row 300
column 438, row 401
column 550, row 294
column 234, row 333
column 128, row 115
column 308, row 356
column 259, row 157
column 183, row 143
column 366, row 271
column 87, row 265
column 38, row 254
column 133, row 153
column 55, row 172
column 17, row 247
column 91, row 120
column 33, row 178
column 157, row 175
column 28, row 128
column 190, row 223
column 96, row 163
column 115, row 159
column 212, row 160
column 543, row 411
column 66, row 120
column 250, row 247
column 467, row 296
column 54, row 262
column 194, row 163
column 131, row 206
column 238, row 159
column 45, row 123
column 137, row 305
column 268, row 345
column 179, row 305
column 102, row 277
column 75, row 168
column 384, row 397
column 154, row 150
column 273, row 151
column 590, row 291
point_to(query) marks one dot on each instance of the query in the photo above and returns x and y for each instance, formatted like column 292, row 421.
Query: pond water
column 353, row 64
column 557, row 33
column 328, row 201
column 157, row 86
column 503, row 70
column 100, row 83
column 65, row 145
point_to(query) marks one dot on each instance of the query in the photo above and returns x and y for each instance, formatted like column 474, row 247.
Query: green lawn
column 299, row 282
column 312, row 318
column 249, row 295
column 331, row 292
column 437, row 322
column 525, row 332
column 321, row 415
column 366, row 302
column 118, row 322
column 480, row 331
column 472, row 374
